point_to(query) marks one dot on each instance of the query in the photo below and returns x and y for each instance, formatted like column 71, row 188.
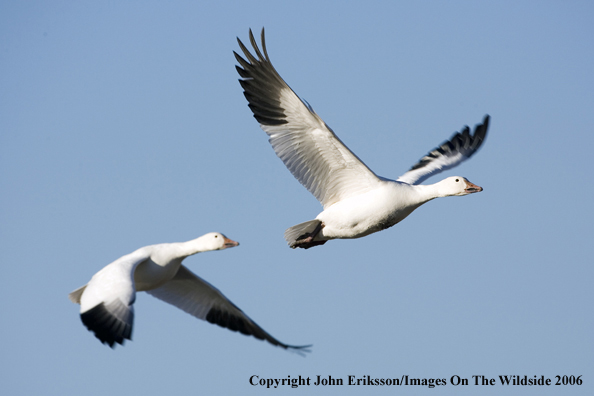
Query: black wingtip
column 480, row 134
column 482, row 128
column 107, row 327
column 261, row 83
column 301, row 350
column 231, row 322
column 247, row 327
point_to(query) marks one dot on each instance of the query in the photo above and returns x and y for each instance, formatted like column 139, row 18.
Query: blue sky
column 123, row 125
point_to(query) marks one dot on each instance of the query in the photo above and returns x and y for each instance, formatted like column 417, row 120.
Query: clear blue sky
column 122, row 124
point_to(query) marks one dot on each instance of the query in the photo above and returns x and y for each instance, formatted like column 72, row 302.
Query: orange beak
column 472, row 188
column 230, row 243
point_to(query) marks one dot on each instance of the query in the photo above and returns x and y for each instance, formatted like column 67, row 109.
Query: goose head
column 457, row 185
column 215, row 241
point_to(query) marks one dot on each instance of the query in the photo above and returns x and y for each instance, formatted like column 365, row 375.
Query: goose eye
column 457, row 180
column 216, row 236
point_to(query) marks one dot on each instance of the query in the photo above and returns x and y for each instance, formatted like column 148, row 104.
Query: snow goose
column 106, row 301
column 356, row 201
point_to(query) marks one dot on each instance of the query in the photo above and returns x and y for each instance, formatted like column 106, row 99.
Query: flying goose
column 356, row 201
column 106, row 301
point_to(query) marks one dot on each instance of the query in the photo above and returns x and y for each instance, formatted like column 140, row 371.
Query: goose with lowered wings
column 106, row 302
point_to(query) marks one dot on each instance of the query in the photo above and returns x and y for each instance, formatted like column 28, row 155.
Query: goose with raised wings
column 356, row 201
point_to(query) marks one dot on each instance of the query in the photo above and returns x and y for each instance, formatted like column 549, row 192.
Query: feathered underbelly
column 358, row 221
column 388, row 222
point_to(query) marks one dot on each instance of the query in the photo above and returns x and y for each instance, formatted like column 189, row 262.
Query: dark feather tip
column 106, row 326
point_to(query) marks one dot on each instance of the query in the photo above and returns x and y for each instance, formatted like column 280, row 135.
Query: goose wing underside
column 200, row 299
column 307, row 146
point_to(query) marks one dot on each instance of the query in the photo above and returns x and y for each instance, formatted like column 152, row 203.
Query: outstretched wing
column 302, row 140
column 199, row 298
column 106, row 301
column 449, row 154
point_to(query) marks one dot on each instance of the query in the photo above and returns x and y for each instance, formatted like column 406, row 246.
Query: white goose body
column 356, row 201
column 373, row 211
column 106, row 302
